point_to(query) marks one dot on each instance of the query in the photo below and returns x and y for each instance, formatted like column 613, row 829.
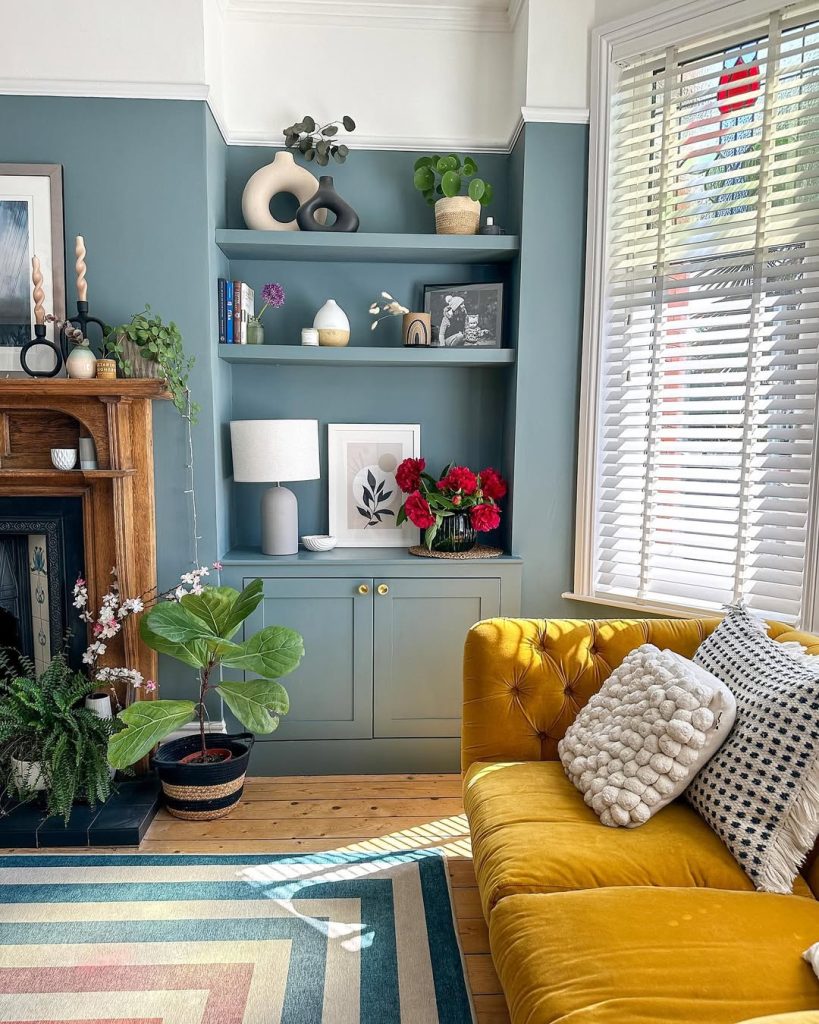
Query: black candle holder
column 81, row 320
column 41, row 339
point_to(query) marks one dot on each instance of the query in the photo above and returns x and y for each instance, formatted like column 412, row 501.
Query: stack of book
column 235, row 309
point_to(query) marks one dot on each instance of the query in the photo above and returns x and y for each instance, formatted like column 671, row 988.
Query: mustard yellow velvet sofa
column 593, row 925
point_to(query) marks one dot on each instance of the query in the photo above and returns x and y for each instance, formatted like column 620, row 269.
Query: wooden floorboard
column 355, row 813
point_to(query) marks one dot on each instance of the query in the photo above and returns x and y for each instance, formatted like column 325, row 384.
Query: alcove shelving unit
column 359, row 701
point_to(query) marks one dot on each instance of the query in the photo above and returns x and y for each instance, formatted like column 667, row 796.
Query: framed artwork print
column 465, row 315
column 31, row 224
column 364, row 497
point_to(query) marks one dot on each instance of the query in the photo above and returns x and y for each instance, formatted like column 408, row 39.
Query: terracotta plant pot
column 457, row 215
column 219, row 753
column 106, row 369
column 203, row 792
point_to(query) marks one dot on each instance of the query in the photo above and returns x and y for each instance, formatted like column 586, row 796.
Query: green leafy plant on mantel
column 146, row 337
column 46, row 728
column 198, row 630
column 318, row 143
column 439, row 177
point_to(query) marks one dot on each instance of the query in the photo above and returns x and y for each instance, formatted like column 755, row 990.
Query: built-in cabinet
column 383, row 637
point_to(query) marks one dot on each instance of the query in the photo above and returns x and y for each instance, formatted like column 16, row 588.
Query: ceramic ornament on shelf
column 38, row 294
column 282, row 175
column 326, row 198
column 332, row 325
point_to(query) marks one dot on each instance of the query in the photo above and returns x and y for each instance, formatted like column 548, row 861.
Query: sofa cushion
column 760, row 791
column 644, row 955
column 807, row 1017
column 532, row 833
column 645, row 734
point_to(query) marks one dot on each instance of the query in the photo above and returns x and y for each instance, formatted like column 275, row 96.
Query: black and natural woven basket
column 202, row 792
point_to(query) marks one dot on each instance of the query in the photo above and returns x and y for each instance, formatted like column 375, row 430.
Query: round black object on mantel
column 326, row 198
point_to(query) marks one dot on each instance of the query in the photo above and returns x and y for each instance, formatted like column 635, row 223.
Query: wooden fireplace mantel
column 119, row 526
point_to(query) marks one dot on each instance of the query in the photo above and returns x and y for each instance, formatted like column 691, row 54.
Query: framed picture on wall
column 364, row 497
column 465, row 315
column 31, row 224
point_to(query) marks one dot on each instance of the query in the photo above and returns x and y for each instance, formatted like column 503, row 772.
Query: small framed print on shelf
column 364, row 496
column 465, row 315
column 31, row 224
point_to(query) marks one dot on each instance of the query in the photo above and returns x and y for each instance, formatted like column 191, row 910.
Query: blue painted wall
column 147, row 182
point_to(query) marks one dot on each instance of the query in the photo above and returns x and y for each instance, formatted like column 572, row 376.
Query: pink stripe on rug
column 227, row 984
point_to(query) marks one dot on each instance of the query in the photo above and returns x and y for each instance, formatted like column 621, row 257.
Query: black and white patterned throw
column 760, row 791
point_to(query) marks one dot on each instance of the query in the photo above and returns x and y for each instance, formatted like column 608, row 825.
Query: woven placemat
column 479, row 551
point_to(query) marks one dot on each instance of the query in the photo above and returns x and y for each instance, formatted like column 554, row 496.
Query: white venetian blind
column 707, row 407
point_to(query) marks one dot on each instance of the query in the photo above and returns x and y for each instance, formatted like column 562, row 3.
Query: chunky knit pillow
column 641, row 739
column 760, row 792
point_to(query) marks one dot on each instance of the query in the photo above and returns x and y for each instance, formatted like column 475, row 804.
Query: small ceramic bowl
column 319, row 542
column 64, row 458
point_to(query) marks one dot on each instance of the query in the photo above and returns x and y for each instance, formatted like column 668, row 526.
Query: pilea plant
column 148, row 337
column 438, row 177
column 318, row 143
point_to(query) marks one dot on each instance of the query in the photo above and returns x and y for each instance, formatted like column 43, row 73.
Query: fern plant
column 43, row 719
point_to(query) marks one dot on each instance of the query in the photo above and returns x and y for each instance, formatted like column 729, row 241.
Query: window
column 701, row 353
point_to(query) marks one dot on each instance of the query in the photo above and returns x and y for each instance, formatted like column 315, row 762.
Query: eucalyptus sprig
column 318, row 143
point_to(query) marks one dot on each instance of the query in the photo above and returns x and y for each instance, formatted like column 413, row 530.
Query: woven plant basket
column 203, row 792
column 140, row 366
column 457, row 215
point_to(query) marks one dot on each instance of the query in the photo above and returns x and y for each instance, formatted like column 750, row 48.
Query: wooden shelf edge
column 66, row 387
column 65, row 474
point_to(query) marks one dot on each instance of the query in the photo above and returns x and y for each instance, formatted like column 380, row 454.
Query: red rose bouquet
column 471, row 497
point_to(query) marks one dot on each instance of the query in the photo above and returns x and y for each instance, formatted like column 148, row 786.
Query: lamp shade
column 274, row 451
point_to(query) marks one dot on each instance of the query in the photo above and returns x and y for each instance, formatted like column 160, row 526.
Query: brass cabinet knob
column 363, row 589
column 383, row 589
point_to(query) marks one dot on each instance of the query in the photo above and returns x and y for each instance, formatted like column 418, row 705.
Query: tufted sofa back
column 526, row 679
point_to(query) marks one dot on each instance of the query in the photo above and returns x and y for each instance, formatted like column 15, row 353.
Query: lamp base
column 280, row 522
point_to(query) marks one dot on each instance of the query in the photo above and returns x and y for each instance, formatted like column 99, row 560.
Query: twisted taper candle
column 82, row 285
column 39, row 294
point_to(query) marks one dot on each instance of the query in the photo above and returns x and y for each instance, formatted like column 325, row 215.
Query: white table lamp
column 276, row 451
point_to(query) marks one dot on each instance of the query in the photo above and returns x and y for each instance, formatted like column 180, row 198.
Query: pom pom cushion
column 760, row 791
column 643, row 736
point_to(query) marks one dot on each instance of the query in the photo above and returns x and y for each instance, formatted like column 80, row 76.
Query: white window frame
column 620, row 42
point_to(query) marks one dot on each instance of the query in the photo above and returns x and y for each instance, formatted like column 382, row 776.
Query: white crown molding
column 382, row 142
column 555, row 115
column 103, row 90
column 466, row 16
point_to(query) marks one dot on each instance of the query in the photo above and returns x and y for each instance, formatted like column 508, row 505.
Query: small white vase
column 99, row 704
column 27, row 776
column 81, row 363
column 332, row 325
column 282, row 175
column 64, row 458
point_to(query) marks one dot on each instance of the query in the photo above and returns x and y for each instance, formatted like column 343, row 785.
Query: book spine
column 229, row 338
column 221, row 297
column 248, row 308
column 237, row 314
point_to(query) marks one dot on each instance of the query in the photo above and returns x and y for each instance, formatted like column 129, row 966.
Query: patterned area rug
column 146, row 939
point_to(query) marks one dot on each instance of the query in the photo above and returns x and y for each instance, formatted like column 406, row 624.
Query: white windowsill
column 674, row 611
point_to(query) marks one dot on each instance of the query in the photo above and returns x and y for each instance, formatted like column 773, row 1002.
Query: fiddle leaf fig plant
column 146, row 335
column 198, row 630
column 318, row 143
column 438, row 177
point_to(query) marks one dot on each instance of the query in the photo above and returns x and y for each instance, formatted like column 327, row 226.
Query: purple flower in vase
column 272, row 295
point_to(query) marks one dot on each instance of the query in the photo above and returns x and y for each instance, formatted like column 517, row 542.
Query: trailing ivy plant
column 197, row 630
column 44, row 719
column 158, row 343
column 438, row 177
column 318, row 143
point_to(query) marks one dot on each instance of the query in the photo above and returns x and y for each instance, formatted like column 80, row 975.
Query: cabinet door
column 331, row 690
column 420, row 628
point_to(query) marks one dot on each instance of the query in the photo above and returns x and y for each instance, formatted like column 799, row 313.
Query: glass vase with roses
column 452, row 509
